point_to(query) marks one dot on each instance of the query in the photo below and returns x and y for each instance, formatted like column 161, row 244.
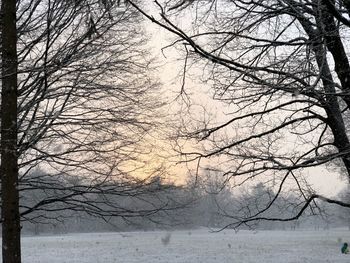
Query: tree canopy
column 280, row 71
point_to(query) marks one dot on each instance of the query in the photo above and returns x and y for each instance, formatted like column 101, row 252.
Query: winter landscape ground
column 200, row 246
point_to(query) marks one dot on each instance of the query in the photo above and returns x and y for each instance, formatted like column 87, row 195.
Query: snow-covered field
column 188, row 246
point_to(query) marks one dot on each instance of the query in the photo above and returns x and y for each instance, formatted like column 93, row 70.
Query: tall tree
column 281, row 71
column 11, row 248
column 75, row 125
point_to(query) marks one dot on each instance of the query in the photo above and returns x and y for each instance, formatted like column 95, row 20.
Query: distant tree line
column 204, row 202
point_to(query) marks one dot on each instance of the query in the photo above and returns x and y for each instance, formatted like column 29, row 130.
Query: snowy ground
column 188, row 246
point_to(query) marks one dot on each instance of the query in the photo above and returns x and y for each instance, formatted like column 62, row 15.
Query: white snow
column 188, row 246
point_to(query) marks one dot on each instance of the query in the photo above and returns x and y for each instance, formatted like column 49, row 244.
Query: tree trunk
column 11, row 247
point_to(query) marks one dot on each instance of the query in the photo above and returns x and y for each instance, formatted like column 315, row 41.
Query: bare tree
column 80, row 113
column 281, row 71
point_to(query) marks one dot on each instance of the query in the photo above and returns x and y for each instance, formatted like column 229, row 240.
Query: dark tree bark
column 11, row 249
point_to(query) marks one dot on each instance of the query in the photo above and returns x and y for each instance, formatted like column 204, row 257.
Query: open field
column 188, row 246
